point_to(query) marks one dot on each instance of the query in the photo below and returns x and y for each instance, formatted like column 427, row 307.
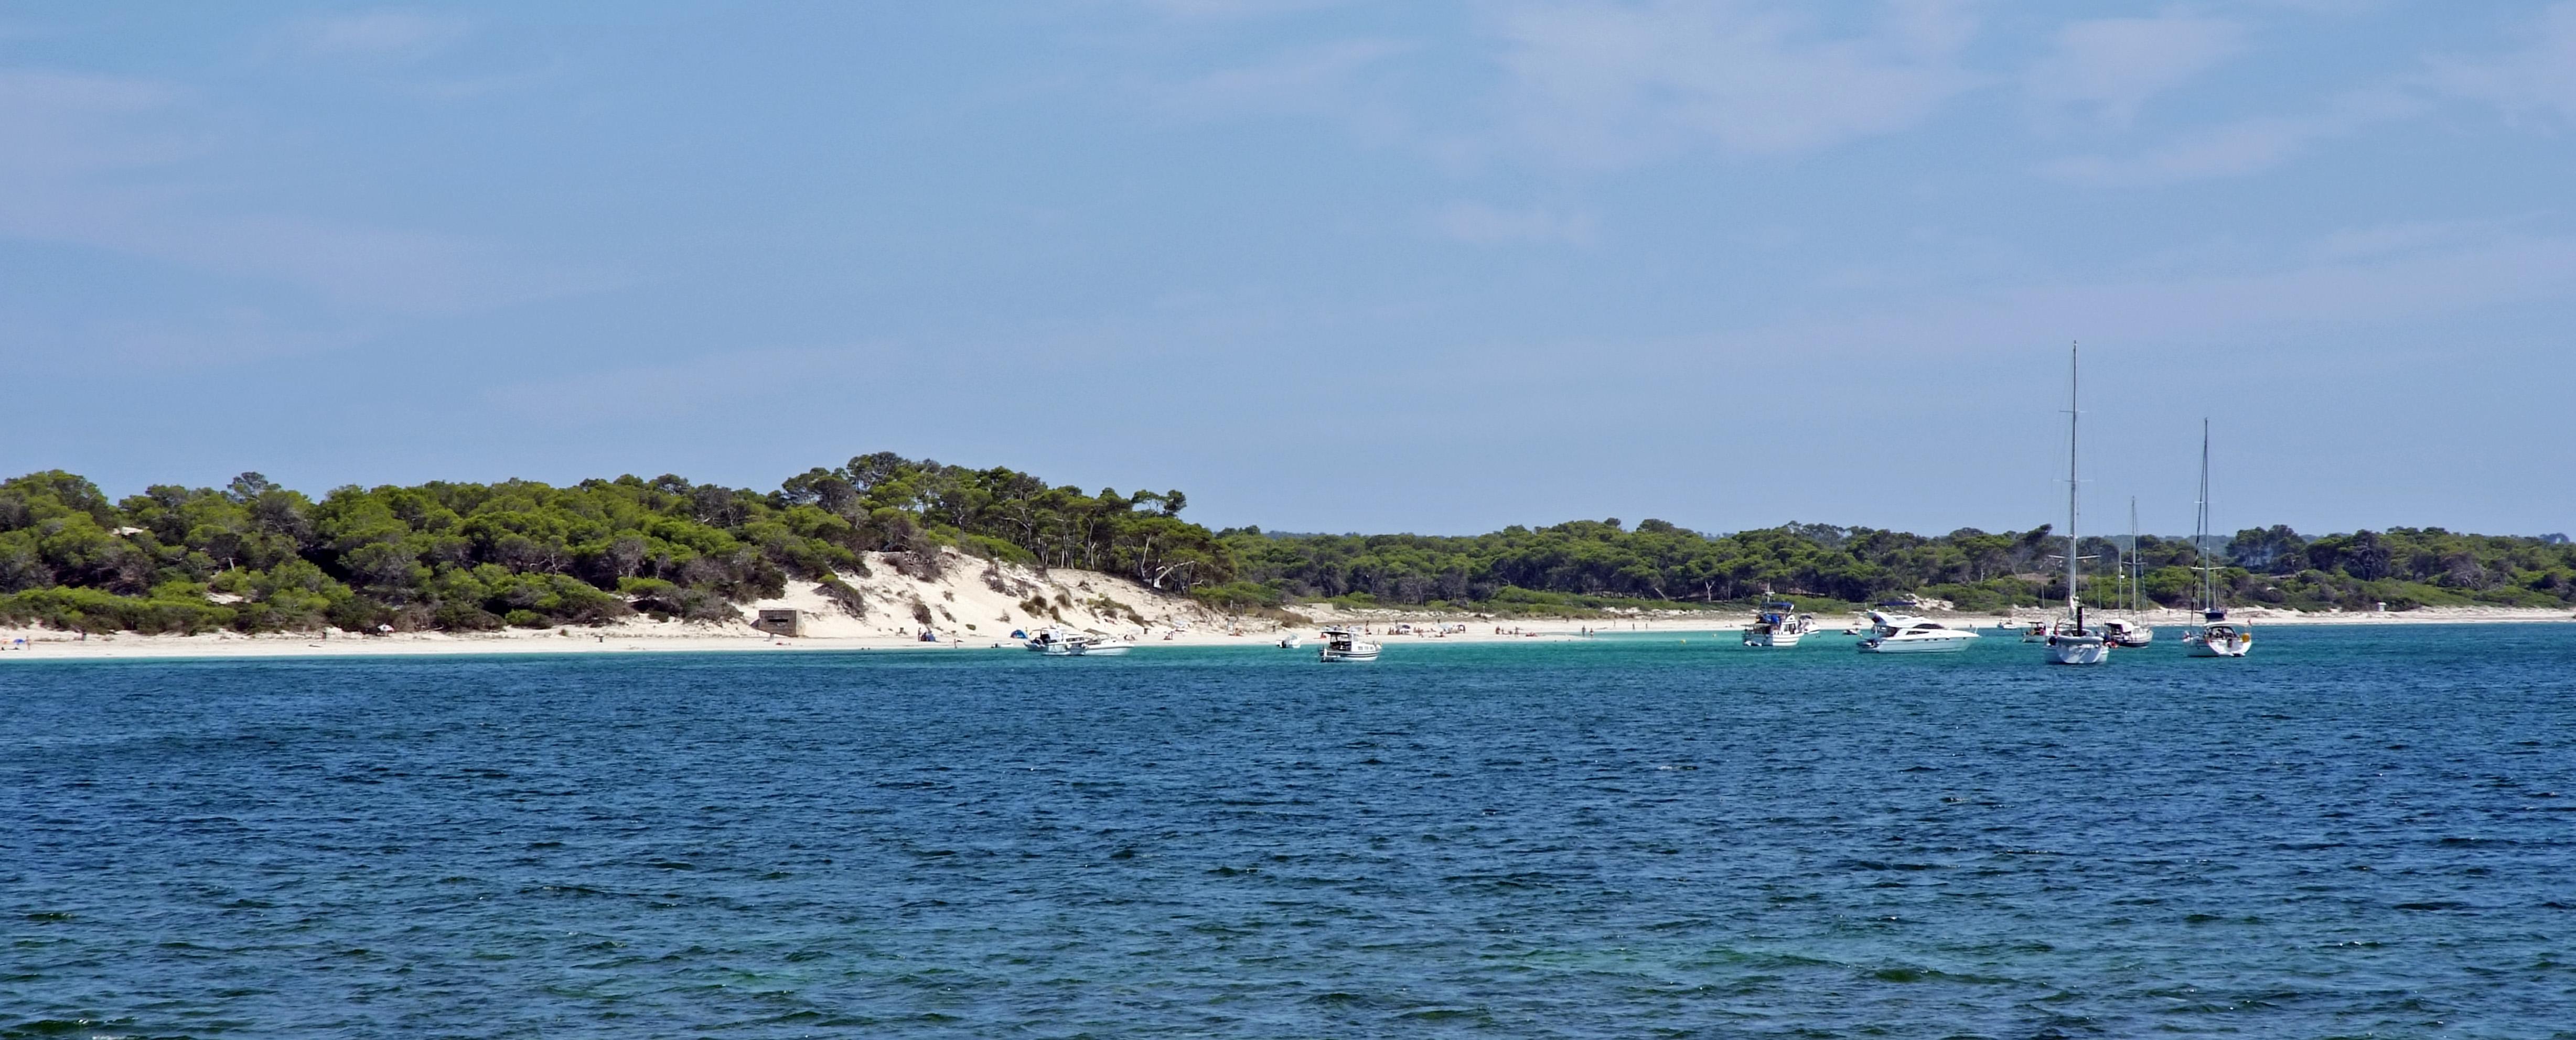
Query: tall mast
column 2200, row 537
column 2074, row 546
column 2136, row 571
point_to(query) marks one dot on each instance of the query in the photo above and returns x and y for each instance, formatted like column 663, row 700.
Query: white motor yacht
column 1056, row 642
column 2070, row 641
column 1342, row 644
column 1778, row 625
column 2215, row 636
column 1905, row 634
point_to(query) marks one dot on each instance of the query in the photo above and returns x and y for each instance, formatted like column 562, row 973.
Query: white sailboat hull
column 2221, row 644
column 2078, row 650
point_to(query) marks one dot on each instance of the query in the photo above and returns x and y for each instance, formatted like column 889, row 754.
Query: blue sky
column 1325, row 266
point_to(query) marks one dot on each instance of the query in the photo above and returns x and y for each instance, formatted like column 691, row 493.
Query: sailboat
column 2127, row 631
column 2069, row 641
column 2215, row 636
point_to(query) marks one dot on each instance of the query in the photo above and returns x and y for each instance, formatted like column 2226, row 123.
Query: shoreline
column 663, row 638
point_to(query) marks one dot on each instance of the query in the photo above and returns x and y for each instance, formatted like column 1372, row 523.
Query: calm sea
column 2356, row 832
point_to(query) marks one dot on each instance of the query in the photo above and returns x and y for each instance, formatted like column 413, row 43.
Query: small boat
column 1906, row 634
column 2215, row 636
column 1341, row 644
column 1056, row 642
column 2127, row 633
column 1291, row 641
column 2070, row 641
column 1778, row 625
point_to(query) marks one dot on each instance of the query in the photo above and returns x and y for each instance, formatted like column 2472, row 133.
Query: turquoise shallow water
column 2357, row 832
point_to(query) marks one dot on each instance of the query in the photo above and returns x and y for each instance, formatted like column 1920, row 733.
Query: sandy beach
column 1170, row 622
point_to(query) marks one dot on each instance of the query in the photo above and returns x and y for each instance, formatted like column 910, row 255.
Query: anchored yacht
column 1056, row 642
column 1778, row 625
column 1906, row 634
column 2215, row 636
column 2127, row 631
column 1341, row 644
column 2070, row 641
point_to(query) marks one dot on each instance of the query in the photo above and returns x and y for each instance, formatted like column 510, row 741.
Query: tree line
column 1596, row 562
column 254, row 556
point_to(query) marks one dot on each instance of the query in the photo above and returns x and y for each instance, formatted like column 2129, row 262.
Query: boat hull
column 1332, row 656
column 2078, row 650
column 1781, row 640
column 1934, row 645
column 2202, row 644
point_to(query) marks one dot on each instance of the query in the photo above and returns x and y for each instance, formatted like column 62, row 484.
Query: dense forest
column 1599, row 563
column 253, row 556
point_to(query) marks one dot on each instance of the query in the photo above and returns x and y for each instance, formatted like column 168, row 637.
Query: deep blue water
column 2356, row 832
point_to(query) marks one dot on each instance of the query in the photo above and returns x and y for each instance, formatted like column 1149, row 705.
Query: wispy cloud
column 1318, row 80
column 2104, row 70
column 2362, row 275
column 1608, row 85
column 2239, row 148
column 2536, row 81
column 104, row 163
column 1233, row 10
column 378, row 35
column 1480, row 224
column 2403, row 237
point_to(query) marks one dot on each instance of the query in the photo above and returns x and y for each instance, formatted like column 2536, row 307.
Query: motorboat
column 1342, row 644
column 1056, row 642
column 2215, row 636
column 1906, row 634
column 1778, row 625
column 2070, row 640
column 2128, row 633
column 1291, row 641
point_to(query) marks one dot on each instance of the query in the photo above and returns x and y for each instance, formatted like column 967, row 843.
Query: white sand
column 967, row 613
